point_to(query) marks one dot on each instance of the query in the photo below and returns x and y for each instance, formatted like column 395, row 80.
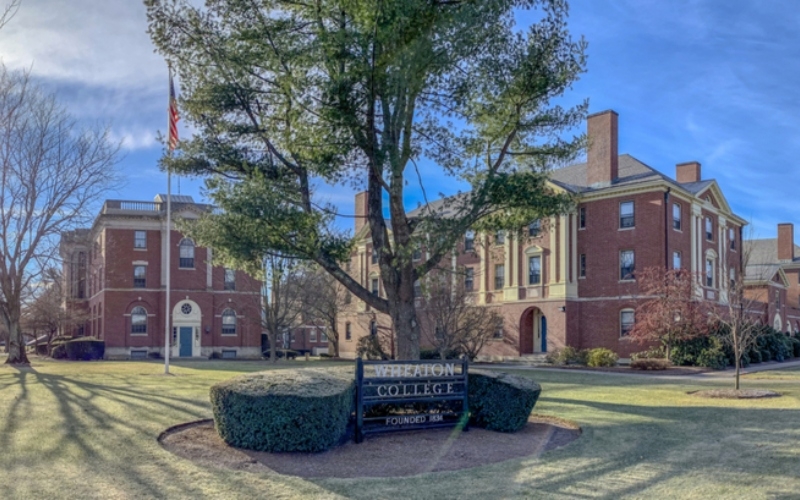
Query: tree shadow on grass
column 628, row 450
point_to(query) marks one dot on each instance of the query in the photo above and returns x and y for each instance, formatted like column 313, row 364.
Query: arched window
column 186, row 254
column 229, row 322
column 139, row 320
column 626, row 322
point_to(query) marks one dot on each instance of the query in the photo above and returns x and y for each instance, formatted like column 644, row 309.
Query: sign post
column 404, row 395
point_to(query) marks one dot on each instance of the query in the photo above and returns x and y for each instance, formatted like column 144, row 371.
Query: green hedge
column 85, row 349
column 284, row 410
column 501, row 402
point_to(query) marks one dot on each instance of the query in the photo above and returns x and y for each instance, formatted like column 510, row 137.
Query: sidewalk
column 710, row 375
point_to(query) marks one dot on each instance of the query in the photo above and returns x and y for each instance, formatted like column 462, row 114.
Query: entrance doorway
column 185, row 341
column 533, row 332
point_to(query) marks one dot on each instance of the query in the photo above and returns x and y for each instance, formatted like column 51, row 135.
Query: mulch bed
column 388, row 455
column 734, row 394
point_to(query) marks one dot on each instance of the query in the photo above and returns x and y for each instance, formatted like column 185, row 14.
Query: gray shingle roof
column 631, row 171
column 762, row 258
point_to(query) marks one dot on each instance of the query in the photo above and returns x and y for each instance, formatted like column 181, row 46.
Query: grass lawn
column 784, row 374
column 88, row 430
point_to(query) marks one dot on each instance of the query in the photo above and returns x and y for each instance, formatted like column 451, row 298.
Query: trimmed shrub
column 288, row 410
column 796, row 347
column 501, row 402
column 649, row 364
column 282, row 353
column 85, row 349
column 567, row 356
column 601, row 356
column 652, row 353
column 154, row 355
column 755, row 356
column 766, row 355
column 713, row 358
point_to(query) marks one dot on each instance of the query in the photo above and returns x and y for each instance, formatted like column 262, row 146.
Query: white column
column 562, row 249
column 483, row 266
column 553, row 249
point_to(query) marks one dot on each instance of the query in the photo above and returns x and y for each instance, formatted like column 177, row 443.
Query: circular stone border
column 734, row 394
column 397, row 454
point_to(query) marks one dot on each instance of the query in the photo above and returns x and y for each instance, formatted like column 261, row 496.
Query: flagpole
column 167, row 309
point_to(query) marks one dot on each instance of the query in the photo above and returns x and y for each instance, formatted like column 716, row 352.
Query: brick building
column 571, row 279
column 115, row 271
column 772, row 279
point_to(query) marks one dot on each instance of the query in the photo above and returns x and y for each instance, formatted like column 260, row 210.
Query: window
column 534, row 228
column 347, row 297
column 228, row 322
column 230, row 279
column 582, row 218
column 374, row 256
column 626, row 322
column 500, row 238
column 139, row 320
column 469, row 240
column 499, row 276
column 373, row 328
column 676, row 216
column 709, row 229
column 139, row 239
column 626, row 265
column 375, row 287
column 348, row 332
column 186, row 254
column 469, row 279
column 417, row 289
column 499, row 330
column 732, row 238
column 626, row 218
column 676, row 260
column 582, row 270
column 416, row 254
column 323, row 337
column 312, row 336
column 139, row 276
column 732, row 277
column 534, row 270
column 709, row 273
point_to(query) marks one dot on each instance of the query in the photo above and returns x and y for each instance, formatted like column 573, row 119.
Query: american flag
column 173, row 116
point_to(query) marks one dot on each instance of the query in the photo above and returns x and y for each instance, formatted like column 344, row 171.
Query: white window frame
column 499, row 278
column 186, row 243
column 134, row 312
column 136, row 240
column 632, row 216
column 228, row 312
column 531, row 259
column 144, row 278
column 629, row 276
column 312, row 336
column 623, row 331
column 679, row 221
column 709, row 228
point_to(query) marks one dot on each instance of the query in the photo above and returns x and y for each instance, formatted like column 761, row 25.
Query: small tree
column 451, row 321
column 46, row 314
column 738, row 320
column 282, row 300
column 322, row 298
column 672, row 312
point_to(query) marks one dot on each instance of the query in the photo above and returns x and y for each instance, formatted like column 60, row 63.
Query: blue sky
column 712, row 81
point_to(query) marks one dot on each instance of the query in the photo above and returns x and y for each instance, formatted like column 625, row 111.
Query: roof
column 762, row 258
column 175, row 198
column 630, row 171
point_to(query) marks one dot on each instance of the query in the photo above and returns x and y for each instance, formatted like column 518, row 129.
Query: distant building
column 116, row 272
column 571, row 280
column 772, row 279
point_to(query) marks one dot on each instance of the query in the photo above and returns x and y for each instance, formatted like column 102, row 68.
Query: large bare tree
column 52, row 171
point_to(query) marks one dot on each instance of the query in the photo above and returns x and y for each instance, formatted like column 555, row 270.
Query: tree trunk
column 404, row 320
column 16, row 343
column 273, row 347
column 738, row 363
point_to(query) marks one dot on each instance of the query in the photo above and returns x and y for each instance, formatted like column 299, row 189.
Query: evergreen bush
column 796, row 347
column 755, row 356
column 500, row 401
column 85, row 349
column 601, row 356
column 649, row 364
column 284, row 410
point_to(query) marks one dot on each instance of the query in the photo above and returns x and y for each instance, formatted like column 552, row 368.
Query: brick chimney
column 361, row 210
column 786, row 241
column 603, row 156
column 687, row 172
